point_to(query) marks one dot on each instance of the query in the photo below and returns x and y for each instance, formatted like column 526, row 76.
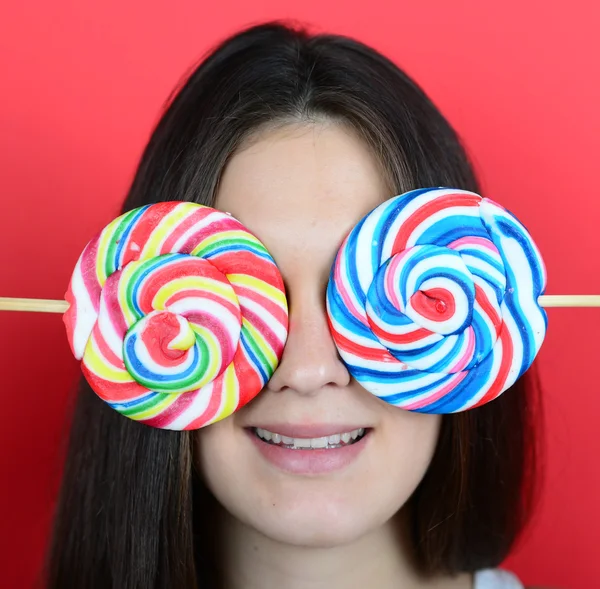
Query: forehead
column 302, row 187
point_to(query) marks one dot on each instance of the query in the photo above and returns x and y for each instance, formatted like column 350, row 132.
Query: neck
column 381, row 558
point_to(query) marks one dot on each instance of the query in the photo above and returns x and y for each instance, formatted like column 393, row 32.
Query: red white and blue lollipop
column 433, row 300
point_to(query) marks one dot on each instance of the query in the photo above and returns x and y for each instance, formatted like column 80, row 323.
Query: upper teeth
column 334, row 440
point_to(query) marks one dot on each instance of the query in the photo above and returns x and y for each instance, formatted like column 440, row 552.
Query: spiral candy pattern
column 433, row 300
column 178, row 315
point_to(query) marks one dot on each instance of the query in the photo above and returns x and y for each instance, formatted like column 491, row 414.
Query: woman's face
column 301, row 189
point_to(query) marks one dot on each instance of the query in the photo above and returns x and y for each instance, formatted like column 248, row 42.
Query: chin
column 316, row 534
column 314, row 520
column 315, row 513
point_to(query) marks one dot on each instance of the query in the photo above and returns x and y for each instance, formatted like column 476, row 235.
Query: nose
column 310, row 359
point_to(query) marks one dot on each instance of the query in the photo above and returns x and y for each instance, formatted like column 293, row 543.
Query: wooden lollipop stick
column 36, row 305
column 569, row 301
column 50, row 306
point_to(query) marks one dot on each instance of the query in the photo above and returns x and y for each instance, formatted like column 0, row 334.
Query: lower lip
column 309, row 461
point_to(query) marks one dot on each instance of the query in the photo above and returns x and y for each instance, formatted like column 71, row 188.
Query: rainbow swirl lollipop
column 433, row 300
column 178, row 315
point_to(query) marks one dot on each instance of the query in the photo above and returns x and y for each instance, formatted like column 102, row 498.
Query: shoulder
column 496, row 579
column 501, row 579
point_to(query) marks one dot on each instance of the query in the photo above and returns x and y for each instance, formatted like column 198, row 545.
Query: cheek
column 228, row 466
column 408, row 442
column 217, row 454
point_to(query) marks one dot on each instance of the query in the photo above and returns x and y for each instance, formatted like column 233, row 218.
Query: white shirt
column 496, row 579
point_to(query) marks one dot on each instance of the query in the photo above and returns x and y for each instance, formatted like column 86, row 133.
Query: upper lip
column 312, row 430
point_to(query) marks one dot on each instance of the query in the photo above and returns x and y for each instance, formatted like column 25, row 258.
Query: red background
column 83, row 83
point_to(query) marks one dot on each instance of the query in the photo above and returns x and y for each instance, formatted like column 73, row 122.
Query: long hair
column 131, row 513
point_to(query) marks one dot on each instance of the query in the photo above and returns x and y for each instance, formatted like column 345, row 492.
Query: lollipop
column 434, row 300
column 178, row 315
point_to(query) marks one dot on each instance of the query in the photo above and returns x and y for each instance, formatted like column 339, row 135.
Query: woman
column 298, row 137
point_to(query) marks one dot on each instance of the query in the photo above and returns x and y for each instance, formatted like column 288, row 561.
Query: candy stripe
column 432, row 300
column 178, row 314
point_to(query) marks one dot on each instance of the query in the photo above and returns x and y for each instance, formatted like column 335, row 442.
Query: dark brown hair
column 131, row 513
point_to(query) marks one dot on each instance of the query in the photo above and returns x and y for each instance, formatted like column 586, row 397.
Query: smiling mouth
column 332, row 442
